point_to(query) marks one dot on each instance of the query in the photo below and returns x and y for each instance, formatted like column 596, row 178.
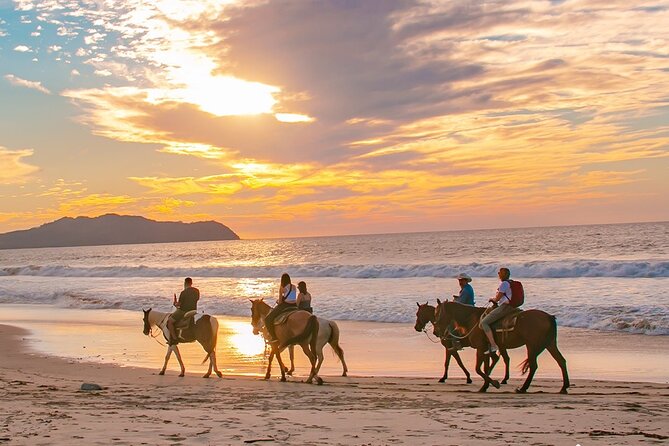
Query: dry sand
column 42, row 404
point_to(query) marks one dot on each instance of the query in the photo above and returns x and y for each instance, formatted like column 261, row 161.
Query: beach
column 376, row 405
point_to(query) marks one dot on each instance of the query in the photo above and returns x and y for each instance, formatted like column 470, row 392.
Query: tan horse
column 328, row 333
column 300, row 328
column 205, row 332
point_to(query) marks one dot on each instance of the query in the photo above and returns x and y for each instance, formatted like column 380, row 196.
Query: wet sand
column 43, row 404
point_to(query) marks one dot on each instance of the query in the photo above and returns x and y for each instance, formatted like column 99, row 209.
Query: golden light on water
column 243, row 339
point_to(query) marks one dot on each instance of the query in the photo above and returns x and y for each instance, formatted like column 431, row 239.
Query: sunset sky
column 297, row 118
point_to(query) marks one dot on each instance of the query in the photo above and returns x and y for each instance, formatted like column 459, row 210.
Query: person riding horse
column 466, row 297
column 503, row 301
column 287, row 301
column 187, row 302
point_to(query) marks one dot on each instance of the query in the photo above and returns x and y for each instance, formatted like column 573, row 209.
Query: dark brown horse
column 425, row 314
column 300, row 328
column 535, row 329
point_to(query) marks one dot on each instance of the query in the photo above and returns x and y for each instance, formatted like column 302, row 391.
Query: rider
column 503, row 301
column 187, row 302
column 287, row 299
column 304, row 298
column 466, row 297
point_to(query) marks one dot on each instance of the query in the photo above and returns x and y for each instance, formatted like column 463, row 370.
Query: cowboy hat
column 464, row 276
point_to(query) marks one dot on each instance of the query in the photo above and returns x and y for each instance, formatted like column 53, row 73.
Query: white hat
column 464, row 276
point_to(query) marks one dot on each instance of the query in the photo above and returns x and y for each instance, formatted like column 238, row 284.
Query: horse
column 301, row 328
column 425, row 314
column 205, row 332
column 328, row 333
column 535, row 329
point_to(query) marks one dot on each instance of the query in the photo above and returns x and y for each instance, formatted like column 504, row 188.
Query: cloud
column 35, row 85
column 12, row 168
column 23, row 49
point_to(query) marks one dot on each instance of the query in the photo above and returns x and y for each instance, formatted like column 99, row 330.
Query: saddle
column 507, row 323
column 283, row 317
column 184, row 328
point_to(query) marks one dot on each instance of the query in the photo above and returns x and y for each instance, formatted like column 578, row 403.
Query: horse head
column 259, row 310
column 442, row 318
column 424, row 314
column 147, row 324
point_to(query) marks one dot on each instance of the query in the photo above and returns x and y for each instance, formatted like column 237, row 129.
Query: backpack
column 517, row 293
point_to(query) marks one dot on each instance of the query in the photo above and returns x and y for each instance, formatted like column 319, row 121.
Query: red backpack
column 517, row 293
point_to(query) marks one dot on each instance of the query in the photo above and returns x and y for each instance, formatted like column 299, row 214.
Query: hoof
column 181, row 375
column 206, row 376
column 219, row 374
column 289, row 372
column 344, row 374
column 319, row 381
column 563, row 391
column 283, row 379
column 503, row 381
column 483, row 389
column 267, row 377
column 442, row 380
column 519, row 390
column 469, row 381
column 162, row 372
column 494, row 383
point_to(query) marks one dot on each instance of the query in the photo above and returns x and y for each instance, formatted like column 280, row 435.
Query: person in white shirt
column 503, row 301
column 287, row 299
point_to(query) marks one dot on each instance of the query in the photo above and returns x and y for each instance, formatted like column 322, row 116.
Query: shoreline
column 372, row 349
column 44, row 405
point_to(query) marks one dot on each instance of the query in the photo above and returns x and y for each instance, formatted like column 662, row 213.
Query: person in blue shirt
column 466, row 295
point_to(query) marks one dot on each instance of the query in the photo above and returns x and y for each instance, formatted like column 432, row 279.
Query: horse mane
column 461, row 312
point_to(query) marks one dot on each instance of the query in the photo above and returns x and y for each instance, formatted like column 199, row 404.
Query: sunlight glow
column 292, row 117
column 243, row 339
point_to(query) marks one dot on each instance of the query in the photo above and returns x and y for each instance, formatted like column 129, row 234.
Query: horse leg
column 167, row 358
column 312, row 359
column 489, row 365
column 269, row 363
column 447, row 361
column 480, row 357
column 456, row 355
column 291, row 354
column 213, row 361
column 505, row 356
column 177, row 353
column 531, row 363
column 340, row 354
column 555, row 353
column 282, row 366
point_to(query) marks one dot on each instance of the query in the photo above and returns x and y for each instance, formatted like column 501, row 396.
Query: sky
column 303, row 118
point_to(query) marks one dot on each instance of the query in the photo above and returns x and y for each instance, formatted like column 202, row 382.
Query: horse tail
column 213, row 323
column 312, row 326
column 550, row 338
column 334, row 339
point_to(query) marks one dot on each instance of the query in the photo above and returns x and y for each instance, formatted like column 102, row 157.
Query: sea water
column 600, row 277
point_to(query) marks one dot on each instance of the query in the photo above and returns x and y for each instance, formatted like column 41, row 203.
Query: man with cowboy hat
column 466, row 295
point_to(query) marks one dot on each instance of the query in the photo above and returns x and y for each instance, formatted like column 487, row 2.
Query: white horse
column 205, row 331
column 328, row 333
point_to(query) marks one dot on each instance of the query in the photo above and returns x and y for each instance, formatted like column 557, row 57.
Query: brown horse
column 300, row 328
column 535, row 329
column 425, row 314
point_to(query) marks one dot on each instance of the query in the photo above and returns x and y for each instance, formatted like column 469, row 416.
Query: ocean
column 600, row 277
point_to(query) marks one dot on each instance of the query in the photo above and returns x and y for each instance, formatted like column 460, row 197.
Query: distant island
column 113, row 229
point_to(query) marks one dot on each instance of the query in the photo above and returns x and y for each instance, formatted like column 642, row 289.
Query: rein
column 160, row 331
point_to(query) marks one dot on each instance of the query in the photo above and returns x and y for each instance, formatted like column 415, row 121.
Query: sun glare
column 243, row 339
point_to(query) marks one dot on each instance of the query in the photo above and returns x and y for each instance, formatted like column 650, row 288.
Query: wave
column 533, row 269
column 652, row 319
